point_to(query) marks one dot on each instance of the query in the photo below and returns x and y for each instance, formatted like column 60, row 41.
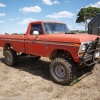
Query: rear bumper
column 88, row 57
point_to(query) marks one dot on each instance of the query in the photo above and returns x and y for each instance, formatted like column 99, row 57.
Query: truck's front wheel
column 62, row 70
column 11, row 57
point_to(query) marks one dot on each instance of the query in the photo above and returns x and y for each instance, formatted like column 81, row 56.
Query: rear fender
column 6, row 47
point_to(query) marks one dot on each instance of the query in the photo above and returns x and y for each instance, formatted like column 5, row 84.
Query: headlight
column 83, row 47
column 82, row 50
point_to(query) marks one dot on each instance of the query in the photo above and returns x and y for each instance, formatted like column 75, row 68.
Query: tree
column 86, row 14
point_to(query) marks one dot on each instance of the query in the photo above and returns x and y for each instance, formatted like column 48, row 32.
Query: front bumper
column 89, row 57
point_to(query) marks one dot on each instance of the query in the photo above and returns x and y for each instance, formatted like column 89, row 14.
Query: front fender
column 73, row 51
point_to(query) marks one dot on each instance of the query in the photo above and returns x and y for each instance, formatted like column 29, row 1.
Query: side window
column 36, row 27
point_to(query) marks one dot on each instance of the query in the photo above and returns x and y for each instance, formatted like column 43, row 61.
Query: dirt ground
column 30, row 80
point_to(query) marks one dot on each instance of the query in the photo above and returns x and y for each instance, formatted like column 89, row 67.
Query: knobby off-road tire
column 62, row 70
column 11, row 57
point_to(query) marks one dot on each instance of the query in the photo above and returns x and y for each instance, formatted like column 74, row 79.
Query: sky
column 16, row 14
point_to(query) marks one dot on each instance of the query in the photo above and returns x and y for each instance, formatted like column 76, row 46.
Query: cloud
column 26, row 21
column 62, row 14
column 11, row 19
column 2, row 5
column 1, row 21
column 56, row 2
column 49, row 2
column 95, row 5
column 2, row 14
column 31, row 9
column 78, row 10
column 66, row 1
column 16, row 18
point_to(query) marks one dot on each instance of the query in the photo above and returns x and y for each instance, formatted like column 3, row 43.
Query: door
column 35, row 44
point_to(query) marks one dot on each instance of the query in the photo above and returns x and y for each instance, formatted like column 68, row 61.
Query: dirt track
column 31, row 80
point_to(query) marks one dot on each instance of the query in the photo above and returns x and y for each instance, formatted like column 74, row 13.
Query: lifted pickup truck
column 66, row 50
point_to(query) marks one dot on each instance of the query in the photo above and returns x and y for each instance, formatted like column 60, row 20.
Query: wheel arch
column 60, row 52
column 6, row 47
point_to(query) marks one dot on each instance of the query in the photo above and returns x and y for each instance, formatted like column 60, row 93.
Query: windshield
column 51, row 28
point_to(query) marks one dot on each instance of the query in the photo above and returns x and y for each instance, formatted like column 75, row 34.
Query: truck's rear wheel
column 11, row 57
column 62, row 70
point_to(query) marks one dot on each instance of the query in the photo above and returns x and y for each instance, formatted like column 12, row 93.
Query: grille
column 92, row 48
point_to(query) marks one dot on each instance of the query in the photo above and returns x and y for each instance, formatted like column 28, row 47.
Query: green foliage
column 87, row 14
column 74, row 81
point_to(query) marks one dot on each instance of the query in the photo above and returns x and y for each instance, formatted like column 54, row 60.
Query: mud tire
column 11, row 57
column 62, row 70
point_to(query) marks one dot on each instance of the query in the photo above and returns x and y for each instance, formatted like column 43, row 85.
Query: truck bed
column 16, row 41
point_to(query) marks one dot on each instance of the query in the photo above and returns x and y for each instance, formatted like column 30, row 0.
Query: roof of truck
column 42, row 21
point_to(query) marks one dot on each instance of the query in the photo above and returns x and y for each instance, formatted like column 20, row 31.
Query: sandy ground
column 31, row 80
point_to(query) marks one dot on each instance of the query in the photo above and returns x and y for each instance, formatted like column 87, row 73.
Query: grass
column 74, row 82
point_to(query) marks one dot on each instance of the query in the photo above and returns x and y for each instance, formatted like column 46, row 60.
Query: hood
column 73, row 38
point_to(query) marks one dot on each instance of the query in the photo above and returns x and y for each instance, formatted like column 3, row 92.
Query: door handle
column 46, row 43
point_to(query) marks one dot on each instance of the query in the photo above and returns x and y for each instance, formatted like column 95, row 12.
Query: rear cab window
column 36, row 27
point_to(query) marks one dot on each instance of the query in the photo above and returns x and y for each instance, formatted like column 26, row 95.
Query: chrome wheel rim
column 60, row 71
column 8, row 58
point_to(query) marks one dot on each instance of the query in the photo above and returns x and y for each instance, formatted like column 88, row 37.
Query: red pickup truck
column 66, row 50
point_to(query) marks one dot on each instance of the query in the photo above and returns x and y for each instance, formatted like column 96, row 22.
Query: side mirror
column 35, row 32
column 36, row 35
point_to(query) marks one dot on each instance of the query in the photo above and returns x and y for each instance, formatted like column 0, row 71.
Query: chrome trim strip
column 50, row 43
column 18, row 40
column 40, row 42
